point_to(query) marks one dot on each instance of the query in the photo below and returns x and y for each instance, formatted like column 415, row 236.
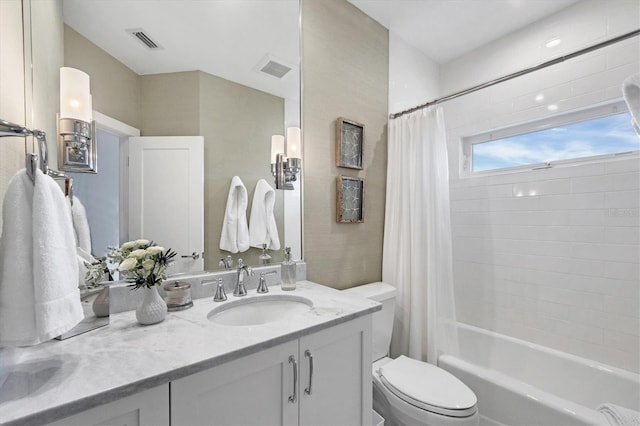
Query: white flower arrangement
column 142, row 262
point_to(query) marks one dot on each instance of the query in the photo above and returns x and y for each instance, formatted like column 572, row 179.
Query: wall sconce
column 286, row 164
column 76, row 128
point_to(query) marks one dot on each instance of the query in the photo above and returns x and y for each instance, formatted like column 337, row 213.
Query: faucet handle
column 262, row 285
column 220, row 295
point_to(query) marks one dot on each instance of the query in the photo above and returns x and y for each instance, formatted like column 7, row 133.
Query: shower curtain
column 417, row 252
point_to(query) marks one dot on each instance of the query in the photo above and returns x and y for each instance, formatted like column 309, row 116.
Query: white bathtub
column 521, row 383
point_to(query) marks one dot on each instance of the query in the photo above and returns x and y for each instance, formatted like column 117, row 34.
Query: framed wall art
column 349, row 200
column 349, row 143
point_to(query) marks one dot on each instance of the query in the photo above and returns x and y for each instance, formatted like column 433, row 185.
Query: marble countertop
column 57, row 379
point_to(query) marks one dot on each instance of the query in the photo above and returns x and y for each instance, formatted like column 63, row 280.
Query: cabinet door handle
column 307, row 354
column 293, row 398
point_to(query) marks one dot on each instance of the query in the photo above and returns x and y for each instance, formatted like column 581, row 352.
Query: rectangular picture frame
column 349, row 144
column 349, row 199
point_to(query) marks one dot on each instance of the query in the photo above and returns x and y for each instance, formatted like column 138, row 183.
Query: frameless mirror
column 227, row 70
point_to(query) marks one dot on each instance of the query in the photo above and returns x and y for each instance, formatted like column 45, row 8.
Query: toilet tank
column 382, row 320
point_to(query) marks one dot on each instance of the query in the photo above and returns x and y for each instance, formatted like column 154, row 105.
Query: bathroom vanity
column 310, row 368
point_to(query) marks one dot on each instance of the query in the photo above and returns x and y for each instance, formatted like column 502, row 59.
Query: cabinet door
column 253, row 390
column 339, row 390
column 150, row 407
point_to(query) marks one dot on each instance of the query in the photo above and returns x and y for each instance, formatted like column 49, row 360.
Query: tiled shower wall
column 551, row 256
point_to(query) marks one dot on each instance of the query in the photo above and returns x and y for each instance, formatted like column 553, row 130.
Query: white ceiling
column 227, row 38
column 446, row 29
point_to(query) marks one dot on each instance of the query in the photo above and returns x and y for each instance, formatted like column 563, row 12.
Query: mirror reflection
column 165, row 77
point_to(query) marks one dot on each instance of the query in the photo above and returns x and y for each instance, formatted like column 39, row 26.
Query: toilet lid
column 428, row 387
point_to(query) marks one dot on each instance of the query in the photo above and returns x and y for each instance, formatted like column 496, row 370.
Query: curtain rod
column 520, row 73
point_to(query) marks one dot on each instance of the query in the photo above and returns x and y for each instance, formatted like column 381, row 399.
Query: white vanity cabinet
column 147, row 408
column 321, row 378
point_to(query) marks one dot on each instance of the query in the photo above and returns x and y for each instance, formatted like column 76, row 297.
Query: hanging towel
column 262, row 224
column 235, row 231
column 620, row 416
column 39, row 297
column 631, row 93
column 80, row 225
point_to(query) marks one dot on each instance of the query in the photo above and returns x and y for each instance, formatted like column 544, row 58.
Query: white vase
column 152, row 309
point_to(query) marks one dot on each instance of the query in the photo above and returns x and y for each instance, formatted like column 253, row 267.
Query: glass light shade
column 277, row 147
column 294, row 148
column 75, row 95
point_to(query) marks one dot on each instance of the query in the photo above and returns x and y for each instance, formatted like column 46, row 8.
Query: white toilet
column 407, row 391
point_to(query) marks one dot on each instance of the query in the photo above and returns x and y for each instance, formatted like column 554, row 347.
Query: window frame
column 591, row 112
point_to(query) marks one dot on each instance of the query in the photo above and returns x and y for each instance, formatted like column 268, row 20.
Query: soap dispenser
column 264, row 258
column 288, row 271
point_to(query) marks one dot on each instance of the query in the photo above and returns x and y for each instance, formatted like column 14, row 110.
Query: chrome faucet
column 226, row 263
column 243, row 269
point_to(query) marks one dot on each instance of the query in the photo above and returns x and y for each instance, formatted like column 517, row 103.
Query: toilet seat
column 427, row 387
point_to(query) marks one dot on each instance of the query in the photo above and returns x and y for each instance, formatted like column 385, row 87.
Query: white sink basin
column 260, row 309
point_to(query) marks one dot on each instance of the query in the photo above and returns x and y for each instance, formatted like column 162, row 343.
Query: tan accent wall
column 345, row 74
column 237, row 123
column 170, row 104
column 115, row 87
column 12, row 94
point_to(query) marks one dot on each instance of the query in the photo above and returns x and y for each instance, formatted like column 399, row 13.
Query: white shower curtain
column 417, row 253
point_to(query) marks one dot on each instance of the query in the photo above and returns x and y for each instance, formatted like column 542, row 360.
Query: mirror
column 204, row 79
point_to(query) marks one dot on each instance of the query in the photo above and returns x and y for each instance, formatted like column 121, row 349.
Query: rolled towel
column 631, row 93
column 235, row 230
column 619, row 416
column 262, row 224
column 39, row 297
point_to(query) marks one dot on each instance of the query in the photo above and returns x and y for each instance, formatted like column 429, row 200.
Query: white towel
column 235, row 231
column 620, row 416
column 81, row 225
column 262, row 224
column 631, row 93
column 83, row 258
column 39, row 297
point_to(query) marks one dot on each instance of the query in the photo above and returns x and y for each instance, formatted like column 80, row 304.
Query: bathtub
column 521, row 383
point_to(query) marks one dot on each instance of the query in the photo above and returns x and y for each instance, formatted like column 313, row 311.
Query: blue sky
column 600, row 136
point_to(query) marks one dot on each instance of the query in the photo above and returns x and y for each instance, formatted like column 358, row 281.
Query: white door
column 166, row 196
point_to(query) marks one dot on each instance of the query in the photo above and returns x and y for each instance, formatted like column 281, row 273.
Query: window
column 597, row 131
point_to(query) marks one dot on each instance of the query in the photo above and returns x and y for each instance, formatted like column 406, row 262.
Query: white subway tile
column 622, row 235
column 611, row 252
column 572, row 201
column 592, row 234
column 612, row 182
column 601, row 81
column 514, row 203
column 622, row 341
column 622, row 306
column 622, row 200
column 623, row 165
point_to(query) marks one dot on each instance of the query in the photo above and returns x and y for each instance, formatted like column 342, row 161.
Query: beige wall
column 114, row 87
column 345, row 74
column 237, row 123
column 170, row 104
column 12, row 94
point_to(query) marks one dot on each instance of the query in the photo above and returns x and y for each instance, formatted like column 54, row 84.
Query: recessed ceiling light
column 553, row 42
column 539, row 97
column 552, row 107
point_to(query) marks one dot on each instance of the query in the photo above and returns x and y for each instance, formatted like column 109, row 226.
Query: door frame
column 123, row 131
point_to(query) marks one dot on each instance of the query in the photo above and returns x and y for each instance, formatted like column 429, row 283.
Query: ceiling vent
column 273, row 67
column 144, row 38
